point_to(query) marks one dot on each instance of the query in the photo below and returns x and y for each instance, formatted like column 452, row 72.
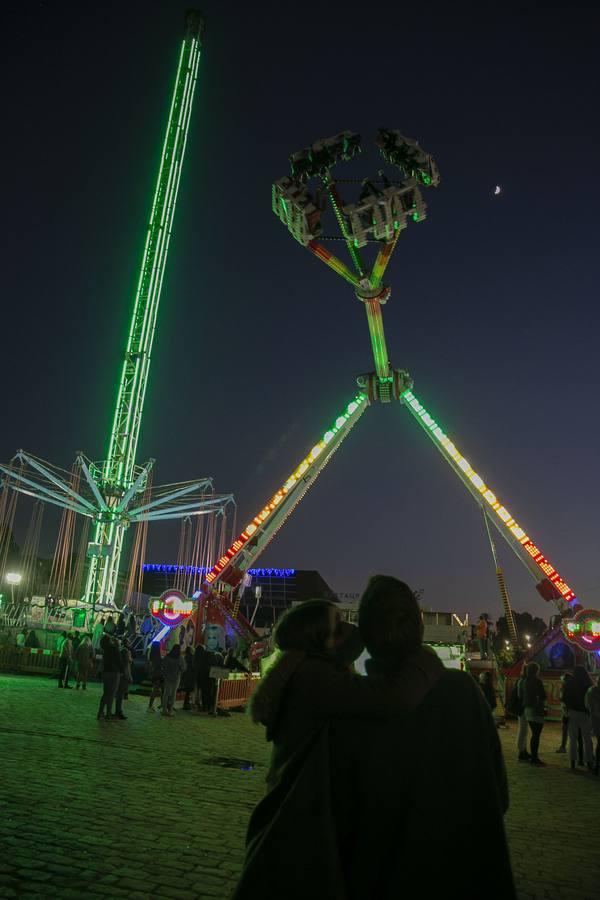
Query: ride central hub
column 386, row 388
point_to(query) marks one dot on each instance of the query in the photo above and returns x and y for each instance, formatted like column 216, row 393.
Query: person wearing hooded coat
column 201, row 664
column 418, row 792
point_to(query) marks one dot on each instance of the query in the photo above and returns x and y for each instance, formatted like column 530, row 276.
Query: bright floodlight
column 13, row 578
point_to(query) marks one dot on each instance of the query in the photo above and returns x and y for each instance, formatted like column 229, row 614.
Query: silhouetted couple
column 381, row 787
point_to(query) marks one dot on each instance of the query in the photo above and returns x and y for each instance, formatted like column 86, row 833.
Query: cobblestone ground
column 137, row 809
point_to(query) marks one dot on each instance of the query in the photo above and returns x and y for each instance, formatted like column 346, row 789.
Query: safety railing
column 235, row 690
column 29, row 660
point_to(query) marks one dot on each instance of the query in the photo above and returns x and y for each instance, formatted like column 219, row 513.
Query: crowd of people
column 188, row 670
column 580, row 701
column 181, row 668
column 108, row 651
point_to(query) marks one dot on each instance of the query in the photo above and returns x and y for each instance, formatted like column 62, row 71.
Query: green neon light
column 118, row 470
column 127, row 418
column 528, row 551
column 350, row 243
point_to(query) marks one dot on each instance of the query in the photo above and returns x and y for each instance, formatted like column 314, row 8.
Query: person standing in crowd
column 519, row 711
column 482, row 633
column 65, row 662
column 60, row 639
column 155, row 673
column 592, row 703
column 97, row 634
column 202, row 663
column 121, row 625
column 127, row 660
column 76, row 639
column 173, row 667
column 85, row 661
column 32, row 639
column 574, row 695
column 565, row 721
column 216, row 662
column 122, row 691
column 533, row 696
column 132, row 626
column 21, row 638
column 486, row 683
column 109, row 626
column 188, row 680
column 405, row 782
column 111, row 674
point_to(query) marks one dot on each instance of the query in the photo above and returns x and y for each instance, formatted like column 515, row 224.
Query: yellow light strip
column 468, row 473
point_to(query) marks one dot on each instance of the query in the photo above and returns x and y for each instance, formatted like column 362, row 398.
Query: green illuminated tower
column 117, row 475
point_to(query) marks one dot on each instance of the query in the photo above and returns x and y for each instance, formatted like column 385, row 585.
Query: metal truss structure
column 118, row 475
column 26, row 474
column 385, row 207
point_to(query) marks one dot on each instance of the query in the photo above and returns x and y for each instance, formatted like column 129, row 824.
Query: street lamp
column 13, row 578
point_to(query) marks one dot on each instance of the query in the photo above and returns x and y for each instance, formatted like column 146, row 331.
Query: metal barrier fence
column 235, row 690
column 29, row 660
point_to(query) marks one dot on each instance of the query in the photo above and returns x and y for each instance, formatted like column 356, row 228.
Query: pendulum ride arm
column 549, row 583
column 118, row 470
column 244, row 551
column 333, row 262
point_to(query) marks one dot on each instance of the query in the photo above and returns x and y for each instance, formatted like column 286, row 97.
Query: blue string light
column 166, row 569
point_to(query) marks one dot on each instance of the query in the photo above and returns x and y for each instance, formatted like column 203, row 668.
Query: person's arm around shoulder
column 335, row 693
column 270, row 687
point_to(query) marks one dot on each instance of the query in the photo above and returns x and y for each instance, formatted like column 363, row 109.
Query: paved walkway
column 139, row 808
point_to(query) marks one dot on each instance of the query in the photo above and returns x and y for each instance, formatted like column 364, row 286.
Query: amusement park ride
column 386, row 205
column 114, row 493
column 383, row 210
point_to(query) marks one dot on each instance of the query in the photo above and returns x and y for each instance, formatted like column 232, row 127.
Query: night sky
column 494, row 305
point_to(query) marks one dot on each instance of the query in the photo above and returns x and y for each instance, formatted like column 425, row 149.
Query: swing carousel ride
column 117, row 493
